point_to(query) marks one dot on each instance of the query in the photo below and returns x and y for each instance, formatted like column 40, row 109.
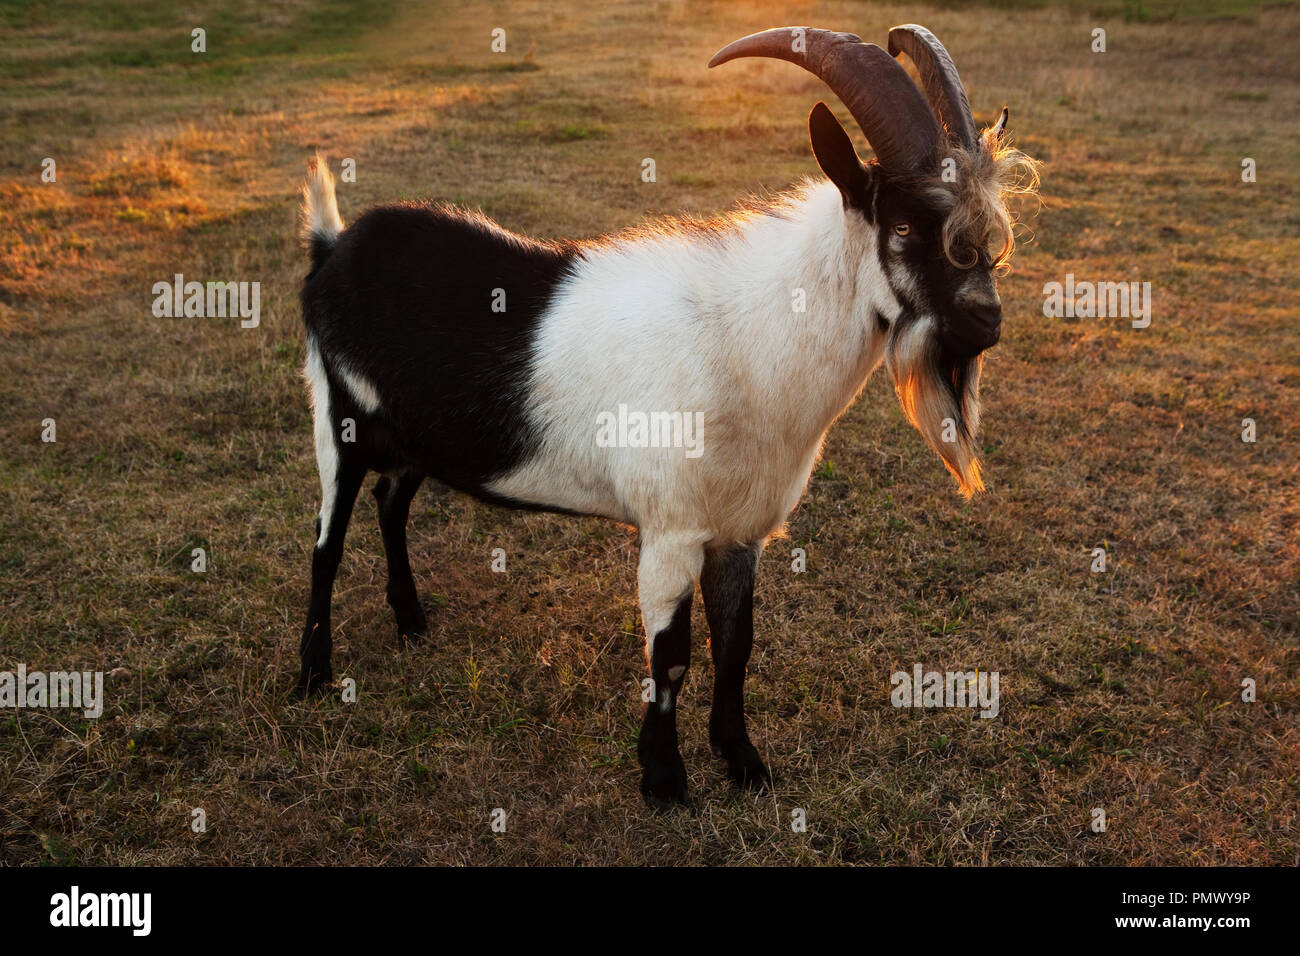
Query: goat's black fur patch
column 404, row 298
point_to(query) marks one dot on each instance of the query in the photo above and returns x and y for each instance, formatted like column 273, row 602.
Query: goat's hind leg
column 336, row 509
column 342, row 468
column 393, row 496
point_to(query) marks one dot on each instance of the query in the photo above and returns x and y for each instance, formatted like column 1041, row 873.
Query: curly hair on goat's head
column 974, row 189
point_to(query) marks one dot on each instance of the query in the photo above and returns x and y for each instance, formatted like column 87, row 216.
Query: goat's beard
column 940, row 395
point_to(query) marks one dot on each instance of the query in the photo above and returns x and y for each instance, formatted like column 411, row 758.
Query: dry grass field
column 1119, row 690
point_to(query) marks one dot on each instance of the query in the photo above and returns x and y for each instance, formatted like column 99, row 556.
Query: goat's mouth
column 967, row 338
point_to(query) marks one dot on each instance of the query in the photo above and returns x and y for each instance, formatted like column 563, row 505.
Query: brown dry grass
column 1118, row 691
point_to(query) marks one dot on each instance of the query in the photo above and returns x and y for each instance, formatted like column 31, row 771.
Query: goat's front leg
column 670, row 566
column 727, row 584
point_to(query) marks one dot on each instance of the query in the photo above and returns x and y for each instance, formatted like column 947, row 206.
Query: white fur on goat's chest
column 649, row 326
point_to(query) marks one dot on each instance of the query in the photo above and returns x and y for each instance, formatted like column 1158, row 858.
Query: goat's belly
column 549, row 483
column 735, row 501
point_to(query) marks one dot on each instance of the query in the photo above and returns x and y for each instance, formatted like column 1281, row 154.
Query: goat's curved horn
column 892, row 112
column 939, row 77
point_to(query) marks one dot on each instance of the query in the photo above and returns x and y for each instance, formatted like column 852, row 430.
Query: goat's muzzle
column 974, row 327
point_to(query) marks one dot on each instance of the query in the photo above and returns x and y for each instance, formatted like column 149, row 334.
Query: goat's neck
column 816, row 361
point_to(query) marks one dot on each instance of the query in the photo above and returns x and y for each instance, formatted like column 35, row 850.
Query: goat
column 485, row 359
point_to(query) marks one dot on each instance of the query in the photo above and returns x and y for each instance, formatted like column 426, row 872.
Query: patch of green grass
column 152, row 34
column 575, row 131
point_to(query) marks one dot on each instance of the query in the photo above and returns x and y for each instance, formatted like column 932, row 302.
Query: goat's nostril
column 986, row 315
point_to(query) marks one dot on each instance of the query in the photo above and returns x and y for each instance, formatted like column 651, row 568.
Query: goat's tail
column 321, row 223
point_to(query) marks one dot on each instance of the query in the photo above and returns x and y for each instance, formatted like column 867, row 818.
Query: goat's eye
column 902, row 229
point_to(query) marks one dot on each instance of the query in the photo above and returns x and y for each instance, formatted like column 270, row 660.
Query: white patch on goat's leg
column 669, row 568
column 327, row 452
column 666, row 575
column 341, row 472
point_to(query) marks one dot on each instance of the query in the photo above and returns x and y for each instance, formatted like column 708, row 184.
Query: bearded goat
column 440, row 344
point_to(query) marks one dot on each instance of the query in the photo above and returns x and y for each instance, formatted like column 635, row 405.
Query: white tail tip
column 320, row 208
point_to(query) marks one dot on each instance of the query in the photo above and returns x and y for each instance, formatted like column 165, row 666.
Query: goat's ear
column 835, row 154
column 1000, row 128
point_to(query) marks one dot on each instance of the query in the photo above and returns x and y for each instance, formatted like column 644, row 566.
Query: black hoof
column 412, row 625
column 412, row 632
column 663, row 783
column 314, row 653
column 314, row 680
column 744, row 766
